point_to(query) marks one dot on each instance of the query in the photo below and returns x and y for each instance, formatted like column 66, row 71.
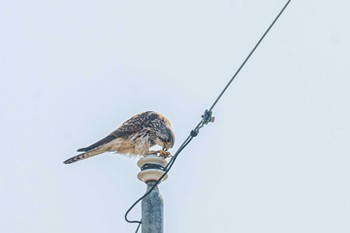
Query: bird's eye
column 168, row 140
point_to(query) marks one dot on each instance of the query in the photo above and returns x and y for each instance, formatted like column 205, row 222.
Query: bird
column 134, row 137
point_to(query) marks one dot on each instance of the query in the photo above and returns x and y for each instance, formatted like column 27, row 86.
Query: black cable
column 206, row 118
column 250, row 54
column 138, row 227
column 167, row 169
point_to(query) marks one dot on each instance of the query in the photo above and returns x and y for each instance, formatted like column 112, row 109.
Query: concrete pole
column 152, row 205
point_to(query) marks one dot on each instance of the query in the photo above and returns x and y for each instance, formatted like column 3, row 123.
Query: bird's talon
column 164, row 154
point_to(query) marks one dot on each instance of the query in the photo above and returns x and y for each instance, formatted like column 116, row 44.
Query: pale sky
column 275, row 160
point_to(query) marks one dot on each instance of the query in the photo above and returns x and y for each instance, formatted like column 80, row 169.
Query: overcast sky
column 275, row 160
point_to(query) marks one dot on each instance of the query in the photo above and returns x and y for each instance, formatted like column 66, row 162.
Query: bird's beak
column 167, row 146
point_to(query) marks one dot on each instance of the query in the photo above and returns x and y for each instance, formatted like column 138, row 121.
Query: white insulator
column 154, row 173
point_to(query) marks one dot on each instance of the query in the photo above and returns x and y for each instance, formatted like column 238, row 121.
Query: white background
column 275, row 160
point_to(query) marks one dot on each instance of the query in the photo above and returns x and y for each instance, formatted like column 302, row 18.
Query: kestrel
column 134, row 137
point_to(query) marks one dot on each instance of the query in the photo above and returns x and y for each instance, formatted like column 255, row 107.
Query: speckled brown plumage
column 134, row 137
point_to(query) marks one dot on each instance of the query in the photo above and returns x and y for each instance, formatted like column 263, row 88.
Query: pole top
column 152, row 168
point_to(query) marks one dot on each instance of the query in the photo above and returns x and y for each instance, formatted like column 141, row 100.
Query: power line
column 249, row 55
column 206, row 118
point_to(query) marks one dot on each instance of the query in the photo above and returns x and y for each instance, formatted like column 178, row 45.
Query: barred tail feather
column 83, row 156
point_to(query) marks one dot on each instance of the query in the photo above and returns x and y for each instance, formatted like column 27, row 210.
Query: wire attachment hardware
column 207, row 117
column 194, row 133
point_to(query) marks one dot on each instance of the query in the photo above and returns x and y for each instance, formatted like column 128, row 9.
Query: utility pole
column 152, row 168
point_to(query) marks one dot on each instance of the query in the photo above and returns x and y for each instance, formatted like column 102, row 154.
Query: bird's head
column 169, row 140
column 166, row 135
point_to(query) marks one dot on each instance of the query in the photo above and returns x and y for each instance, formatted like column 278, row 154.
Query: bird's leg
column 161, row 153
column 153, row 152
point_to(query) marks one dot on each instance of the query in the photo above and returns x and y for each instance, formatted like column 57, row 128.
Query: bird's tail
column 82, row 156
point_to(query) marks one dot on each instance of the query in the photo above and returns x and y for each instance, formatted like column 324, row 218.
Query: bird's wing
column 135, row 124
column 102, row 142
